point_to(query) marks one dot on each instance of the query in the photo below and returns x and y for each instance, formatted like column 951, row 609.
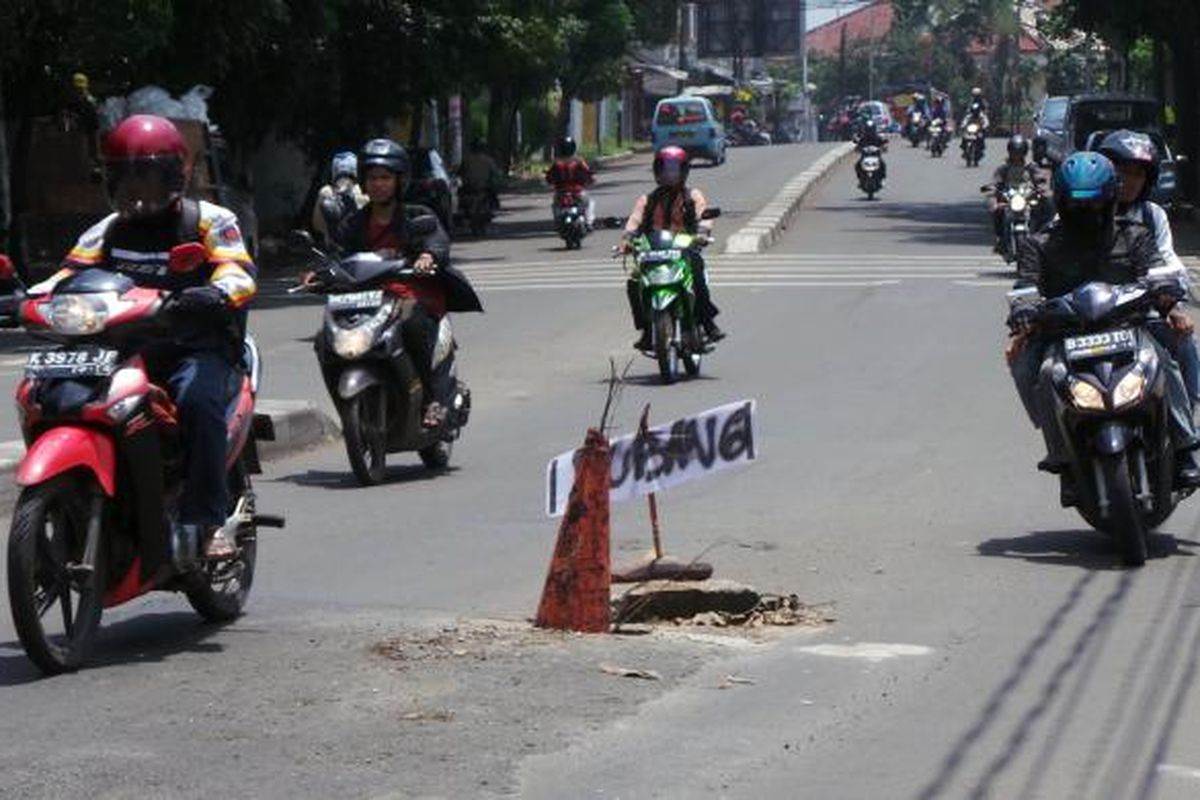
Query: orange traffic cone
column 576, row 595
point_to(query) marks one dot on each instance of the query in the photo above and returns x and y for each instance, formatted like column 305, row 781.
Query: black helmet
column 1018, row 145
column 566, row 147
column 382, row 153
column 1124, row 147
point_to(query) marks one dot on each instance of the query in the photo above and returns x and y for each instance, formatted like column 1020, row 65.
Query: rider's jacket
column 569, row 175
column 479, row 171
column 674, row 208
column 1009, row 175
column 1057, row 262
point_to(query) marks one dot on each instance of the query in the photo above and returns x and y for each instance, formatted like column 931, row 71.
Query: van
column 691, row 123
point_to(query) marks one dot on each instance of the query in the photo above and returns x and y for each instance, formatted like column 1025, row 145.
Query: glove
column 201, row 298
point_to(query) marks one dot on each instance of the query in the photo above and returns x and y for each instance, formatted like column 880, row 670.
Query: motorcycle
column 571, row 221
column 1112, row 406
column 666, row 287
column 1022, row 206
column 915, row 130
column 938, row 138
column 475, row 208
column 103, row 472
column 972, row 144
column 747, row 135
column 368, row 373
column 870, row 166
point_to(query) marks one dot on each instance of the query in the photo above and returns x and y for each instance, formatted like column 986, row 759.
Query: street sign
column 667, row 455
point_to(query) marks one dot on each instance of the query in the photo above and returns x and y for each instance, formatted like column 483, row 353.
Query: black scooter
column 367, row 371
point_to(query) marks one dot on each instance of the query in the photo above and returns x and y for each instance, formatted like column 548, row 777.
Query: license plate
column 89, row 363
column 682, row 134
column 870, row 163
column 1098, row 345
column 355, row 301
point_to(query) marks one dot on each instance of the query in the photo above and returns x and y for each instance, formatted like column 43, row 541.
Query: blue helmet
column 344, row 163
column 1085, row 176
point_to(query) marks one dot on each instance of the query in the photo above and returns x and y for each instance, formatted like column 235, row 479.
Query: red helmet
column 145, row 164
column 671, row 166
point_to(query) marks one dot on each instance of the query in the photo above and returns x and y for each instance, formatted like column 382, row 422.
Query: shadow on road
column 1086, row 549
column 146, row 638
column 396, row 475
column 954, row 223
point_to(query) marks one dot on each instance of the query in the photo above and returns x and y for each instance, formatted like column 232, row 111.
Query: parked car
column 1049, row 124
column 429, row 184
column 879, row 111
column 691, row 123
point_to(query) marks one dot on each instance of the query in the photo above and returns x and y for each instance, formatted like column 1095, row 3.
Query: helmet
column 976, row 91
column 1079, row 182
column 382, row 153
column 1018, row 145
column 145, row 165
column 80, row 81
column 1126, row 147
column 671, row 166
column 343, row 164
column 566, row 147
column 918, row 97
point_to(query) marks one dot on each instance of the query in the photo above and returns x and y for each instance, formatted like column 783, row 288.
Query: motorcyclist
column 147, row 166
column 383, row 226
column 1085, row 244
column 919, row 105
column 977, row 102
column 480, row 173
column 676, row 207
column 1016, row 170
column 1137, row 162
column 938, row 110
column 869, row 136
column 340, row 197
column 570, row 174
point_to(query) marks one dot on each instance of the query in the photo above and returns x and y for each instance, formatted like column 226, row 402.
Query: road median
column 767, row 226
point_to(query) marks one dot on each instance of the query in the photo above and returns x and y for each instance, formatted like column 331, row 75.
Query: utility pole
column 807, row 132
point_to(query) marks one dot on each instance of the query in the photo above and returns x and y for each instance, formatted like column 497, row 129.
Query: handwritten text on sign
column 668, row 455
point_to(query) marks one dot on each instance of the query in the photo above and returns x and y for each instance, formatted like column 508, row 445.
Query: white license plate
column 88, row 363
column 871, row 163
column 355, row 301
column 1098, row 345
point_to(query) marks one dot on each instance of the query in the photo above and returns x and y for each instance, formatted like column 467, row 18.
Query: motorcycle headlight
column 354, row 342
column 76, row 314
column 1129, row 389
column 1018, row 203
column 1086, row 396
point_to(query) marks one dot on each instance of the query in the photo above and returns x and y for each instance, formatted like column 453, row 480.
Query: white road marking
column 874, row 652
column 1180, row 771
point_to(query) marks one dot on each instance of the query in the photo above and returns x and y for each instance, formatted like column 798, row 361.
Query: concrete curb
column 299, row 425
column 767, row 226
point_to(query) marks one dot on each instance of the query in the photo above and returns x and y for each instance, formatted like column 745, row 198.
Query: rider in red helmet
column 146, row 167
column 676, row 207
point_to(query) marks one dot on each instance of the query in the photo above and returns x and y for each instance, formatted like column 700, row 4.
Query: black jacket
column 351, row 237
column 1056, row 262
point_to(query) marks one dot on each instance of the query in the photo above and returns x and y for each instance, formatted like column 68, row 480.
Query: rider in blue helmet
column 1086, row 244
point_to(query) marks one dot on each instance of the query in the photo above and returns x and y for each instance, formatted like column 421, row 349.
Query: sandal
column 435, row 415
column 219, row 548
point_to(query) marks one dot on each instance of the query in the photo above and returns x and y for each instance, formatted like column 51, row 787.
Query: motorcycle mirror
column 423, row 225
column 711, row 213
column 987, row 187
column 186, row 257
column 612, row 223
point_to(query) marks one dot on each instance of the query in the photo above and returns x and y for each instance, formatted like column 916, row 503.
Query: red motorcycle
column 104, row 468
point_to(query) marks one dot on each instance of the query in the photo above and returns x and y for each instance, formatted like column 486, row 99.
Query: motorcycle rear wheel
column 218, row 591
column 49, row 531
column 664, row 353
column 436, row 456
column 1125, row 521
column 364, row 427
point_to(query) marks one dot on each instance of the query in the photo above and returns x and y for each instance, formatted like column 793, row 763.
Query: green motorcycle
column 666, row 287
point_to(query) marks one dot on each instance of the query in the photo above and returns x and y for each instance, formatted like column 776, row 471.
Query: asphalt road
column 985, row 644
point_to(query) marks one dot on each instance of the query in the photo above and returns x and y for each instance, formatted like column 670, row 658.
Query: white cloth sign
column 668, row 455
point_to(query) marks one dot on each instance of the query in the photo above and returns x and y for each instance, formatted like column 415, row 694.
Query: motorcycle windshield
column 663, row 274
column 367, row 268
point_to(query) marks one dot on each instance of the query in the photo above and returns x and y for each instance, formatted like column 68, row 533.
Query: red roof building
column 870, row 22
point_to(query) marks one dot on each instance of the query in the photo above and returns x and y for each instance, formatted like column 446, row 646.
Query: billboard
column 748, row 28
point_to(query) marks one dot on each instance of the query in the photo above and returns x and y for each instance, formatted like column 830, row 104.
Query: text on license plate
column 355, row 300
column 1099, row 344
column 71, row 363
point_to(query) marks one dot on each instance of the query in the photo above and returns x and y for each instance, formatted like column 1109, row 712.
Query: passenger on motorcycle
column 147, row 166
column 480, row 173
column 869, row 136
column 383, row 227
column 1013, row 172
column 1136, row 160
column 339, row 198
column 1084, row 244
column 571, row 174
column 938, row 110
column 676, row 207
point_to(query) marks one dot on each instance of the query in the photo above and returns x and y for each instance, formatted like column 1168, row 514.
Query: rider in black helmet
column 1015, row 171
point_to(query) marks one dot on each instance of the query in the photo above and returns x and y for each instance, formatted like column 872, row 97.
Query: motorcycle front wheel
column 664, row 353
column 1125, row 521
column 218, row 591
column 364, row 427
column 56, row 610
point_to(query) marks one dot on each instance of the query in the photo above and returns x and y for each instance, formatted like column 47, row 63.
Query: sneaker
column 714, row 333
column 219, row 547
column 1187, row 471
column 643, row 343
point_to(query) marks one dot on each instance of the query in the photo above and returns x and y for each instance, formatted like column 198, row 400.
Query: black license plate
column 1099, row 345
column 89, row 363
